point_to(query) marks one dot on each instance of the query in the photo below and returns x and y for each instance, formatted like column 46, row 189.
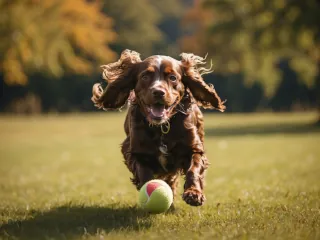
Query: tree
column 52, row 37
column 252, row 36
column 138, row 25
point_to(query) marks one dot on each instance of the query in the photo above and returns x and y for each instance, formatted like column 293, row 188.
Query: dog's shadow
column 69, row 222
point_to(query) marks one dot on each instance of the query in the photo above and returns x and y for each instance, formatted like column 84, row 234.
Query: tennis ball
column 155, row 196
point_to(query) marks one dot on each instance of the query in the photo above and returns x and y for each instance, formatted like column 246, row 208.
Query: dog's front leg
column 141, row 173
column 144, row 174
column 193, row 187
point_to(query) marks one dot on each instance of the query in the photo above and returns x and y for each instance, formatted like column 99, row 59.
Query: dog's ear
column 121, row 78
column 205, row 95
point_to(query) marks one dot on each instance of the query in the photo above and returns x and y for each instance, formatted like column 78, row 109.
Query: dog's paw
column 193, row 197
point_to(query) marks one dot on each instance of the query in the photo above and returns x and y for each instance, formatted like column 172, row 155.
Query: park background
column 61, row 171
column 265, row 54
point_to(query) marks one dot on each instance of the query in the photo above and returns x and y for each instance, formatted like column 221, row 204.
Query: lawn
column 62, row 177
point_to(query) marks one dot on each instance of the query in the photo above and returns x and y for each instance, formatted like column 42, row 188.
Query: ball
column 155, row 196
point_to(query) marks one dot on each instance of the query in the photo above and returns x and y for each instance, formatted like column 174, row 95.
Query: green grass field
column 62, row 177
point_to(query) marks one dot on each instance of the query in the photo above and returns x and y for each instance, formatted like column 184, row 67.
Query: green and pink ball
column 155, row 196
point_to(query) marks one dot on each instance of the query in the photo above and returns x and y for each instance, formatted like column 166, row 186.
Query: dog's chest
column 165, row 153
column 163, row 162
column 163, row 149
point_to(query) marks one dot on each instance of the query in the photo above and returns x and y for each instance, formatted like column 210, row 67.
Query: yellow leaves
column 255, row 4
column 12, row 68
column 52, row 37
column 306, row 38
column 279, row 4
column 137, row 23
column 250, row 63
column 266, row 38
column 92, row 43
column 268, row 74
column 314, row 52
column 265, row 18
column 293, row 13
column 242, row 39
column 260, row 66
column 233, row 66
column 259, row 33
column 306, row 68
column 284, row 36
column 24, row 50
column 80, row 65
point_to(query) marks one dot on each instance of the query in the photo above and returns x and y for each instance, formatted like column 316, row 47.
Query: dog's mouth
column 159, row 113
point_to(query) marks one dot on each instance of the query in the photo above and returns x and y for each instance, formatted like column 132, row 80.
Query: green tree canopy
column 251, row 36
column 137, row 23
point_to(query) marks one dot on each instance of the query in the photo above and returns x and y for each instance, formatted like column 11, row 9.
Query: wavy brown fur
column 114, row 70
column 179, row 88
column 205, row 95
column 119, row 71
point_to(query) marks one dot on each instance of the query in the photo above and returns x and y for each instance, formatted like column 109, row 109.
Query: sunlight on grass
column 64, row 177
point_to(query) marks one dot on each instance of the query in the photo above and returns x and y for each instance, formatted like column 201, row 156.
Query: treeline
column 265, row 53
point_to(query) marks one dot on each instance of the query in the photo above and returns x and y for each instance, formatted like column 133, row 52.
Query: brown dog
column 164, row 125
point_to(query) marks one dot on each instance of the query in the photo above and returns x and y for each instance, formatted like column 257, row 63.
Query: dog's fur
column 164, row 124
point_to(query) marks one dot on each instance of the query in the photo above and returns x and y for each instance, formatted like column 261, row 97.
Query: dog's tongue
column 158, row 110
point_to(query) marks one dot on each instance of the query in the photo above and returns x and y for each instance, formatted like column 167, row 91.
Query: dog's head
column 159, row 84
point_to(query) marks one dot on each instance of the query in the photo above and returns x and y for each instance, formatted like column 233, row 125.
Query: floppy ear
column 121, row 78
column 205, row 95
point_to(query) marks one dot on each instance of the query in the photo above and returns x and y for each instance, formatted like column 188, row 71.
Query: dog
column 164, row 124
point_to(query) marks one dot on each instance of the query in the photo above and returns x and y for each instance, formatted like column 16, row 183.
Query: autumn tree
column 52, row 37
column 138, row 24
column 252, row 36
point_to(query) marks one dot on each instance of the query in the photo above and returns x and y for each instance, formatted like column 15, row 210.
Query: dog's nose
column 158, row 93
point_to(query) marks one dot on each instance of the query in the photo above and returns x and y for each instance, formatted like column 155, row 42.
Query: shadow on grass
column 69, row 222
column 264, row 129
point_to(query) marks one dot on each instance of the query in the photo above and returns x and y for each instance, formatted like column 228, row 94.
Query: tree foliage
column 137, row 23
column 251, row 36
column 52, row 37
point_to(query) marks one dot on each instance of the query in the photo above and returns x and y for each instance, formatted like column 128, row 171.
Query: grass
column 62, row 177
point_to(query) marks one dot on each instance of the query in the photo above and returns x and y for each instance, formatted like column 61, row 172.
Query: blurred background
column 265, row 53
column 62, row 175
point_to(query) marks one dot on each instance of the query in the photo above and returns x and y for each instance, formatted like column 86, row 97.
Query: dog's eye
column 144, row 77
column 173, row 78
